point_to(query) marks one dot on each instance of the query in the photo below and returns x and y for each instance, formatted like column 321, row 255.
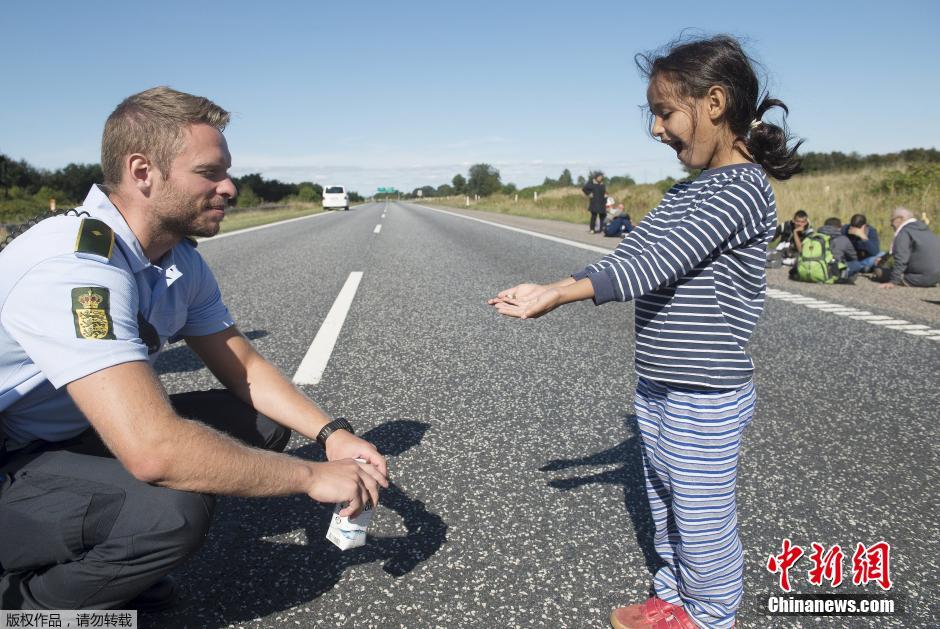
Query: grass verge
column 236, row 219
column 821, row 195
column 243, row 219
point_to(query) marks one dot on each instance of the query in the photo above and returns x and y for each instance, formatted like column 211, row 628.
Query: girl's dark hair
column 693, row 67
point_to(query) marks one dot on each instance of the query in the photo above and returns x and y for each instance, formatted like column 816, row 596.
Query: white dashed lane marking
column 377, row 229
column 890, row 323
column 314, row 363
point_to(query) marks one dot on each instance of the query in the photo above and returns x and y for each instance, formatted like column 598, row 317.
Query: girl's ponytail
column 768, row 144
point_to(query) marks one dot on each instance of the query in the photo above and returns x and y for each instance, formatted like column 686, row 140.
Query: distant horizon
column 574, row 174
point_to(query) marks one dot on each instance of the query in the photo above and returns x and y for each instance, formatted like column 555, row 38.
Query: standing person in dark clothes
column 596, row 189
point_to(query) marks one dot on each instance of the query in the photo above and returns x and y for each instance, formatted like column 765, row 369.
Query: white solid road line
column 377, row 229
column 774, row 293
column 563, row 241
column 314, row 363
column 251, row 229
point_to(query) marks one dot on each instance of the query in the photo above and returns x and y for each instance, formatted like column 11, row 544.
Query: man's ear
column 141, row 172
column 716, row 102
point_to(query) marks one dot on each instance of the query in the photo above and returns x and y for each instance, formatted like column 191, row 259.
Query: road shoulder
column 918, row 305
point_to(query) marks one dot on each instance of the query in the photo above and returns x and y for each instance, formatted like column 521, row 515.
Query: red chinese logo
column 784, row 561
column 872, row 564
column 826, row 565
column 869, row 564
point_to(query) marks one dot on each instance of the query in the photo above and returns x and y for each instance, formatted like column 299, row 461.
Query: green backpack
column 816, row 262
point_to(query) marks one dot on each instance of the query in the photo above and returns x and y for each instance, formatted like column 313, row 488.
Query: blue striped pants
column 691, row 441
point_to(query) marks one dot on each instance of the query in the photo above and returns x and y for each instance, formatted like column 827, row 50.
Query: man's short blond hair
column 152, row 123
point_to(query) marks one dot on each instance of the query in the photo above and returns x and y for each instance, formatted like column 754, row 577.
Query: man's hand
column 347, row 481
column 345, row 445
column 887, row 285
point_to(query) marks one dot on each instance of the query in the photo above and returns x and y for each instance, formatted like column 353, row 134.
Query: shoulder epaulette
column 95, row 240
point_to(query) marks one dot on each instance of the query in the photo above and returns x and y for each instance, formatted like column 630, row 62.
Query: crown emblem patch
column 91, row 310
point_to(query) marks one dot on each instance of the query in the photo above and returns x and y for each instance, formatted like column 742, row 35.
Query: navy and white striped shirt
column 696, row 268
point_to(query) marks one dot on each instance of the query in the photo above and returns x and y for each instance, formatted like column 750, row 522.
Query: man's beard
column 185, row 217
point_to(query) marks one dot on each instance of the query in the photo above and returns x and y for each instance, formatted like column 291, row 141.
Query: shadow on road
column 629, row 475
column 242, row 575
column 181, row 359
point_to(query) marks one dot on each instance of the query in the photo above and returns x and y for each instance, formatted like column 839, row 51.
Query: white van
column 335, row 196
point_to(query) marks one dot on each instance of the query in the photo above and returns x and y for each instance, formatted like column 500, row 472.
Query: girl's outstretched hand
column 529, row 302
column 522, row 292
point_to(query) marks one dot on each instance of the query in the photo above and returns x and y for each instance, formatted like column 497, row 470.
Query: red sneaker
column 643, row 615
column 678, row 618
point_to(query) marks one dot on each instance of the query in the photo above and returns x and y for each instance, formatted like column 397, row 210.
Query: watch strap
column 339, row 423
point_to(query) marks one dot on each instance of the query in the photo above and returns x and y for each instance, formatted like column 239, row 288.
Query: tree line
column 26, row 190
column 484, row 180
column 837, row 161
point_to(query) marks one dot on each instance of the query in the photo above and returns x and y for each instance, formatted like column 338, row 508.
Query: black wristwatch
column 339, row 423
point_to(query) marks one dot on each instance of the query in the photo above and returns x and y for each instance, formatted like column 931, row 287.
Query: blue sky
column 405, row 94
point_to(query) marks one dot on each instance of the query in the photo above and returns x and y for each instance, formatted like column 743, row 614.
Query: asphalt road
column 518, row 497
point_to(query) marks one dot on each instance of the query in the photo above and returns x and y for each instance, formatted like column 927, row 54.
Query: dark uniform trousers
column 77, row 531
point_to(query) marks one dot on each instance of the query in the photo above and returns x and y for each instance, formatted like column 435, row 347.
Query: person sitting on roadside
column 864, row 238
column 614, row 210
column 790, row 235
column 841, row 247
column 915, row 251
column 620, row 224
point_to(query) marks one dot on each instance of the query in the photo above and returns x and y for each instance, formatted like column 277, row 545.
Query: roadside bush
column 247, row 197
column 913, row 179
column 308, row 194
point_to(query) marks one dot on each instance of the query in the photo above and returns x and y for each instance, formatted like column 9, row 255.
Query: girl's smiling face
column 685, row 125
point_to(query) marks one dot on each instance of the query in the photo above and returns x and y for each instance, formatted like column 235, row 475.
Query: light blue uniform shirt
column 41, row 349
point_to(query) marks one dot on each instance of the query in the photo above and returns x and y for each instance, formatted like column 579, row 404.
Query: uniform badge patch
column 91, row 309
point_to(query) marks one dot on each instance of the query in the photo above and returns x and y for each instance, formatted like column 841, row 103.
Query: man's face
column 800, row 223
column 191, row 201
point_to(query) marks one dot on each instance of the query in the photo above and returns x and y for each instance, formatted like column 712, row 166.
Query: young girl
column 695, row 266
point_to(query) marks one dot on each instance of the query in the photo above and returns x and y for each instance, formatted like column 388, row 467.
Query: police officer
column 108, row 483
